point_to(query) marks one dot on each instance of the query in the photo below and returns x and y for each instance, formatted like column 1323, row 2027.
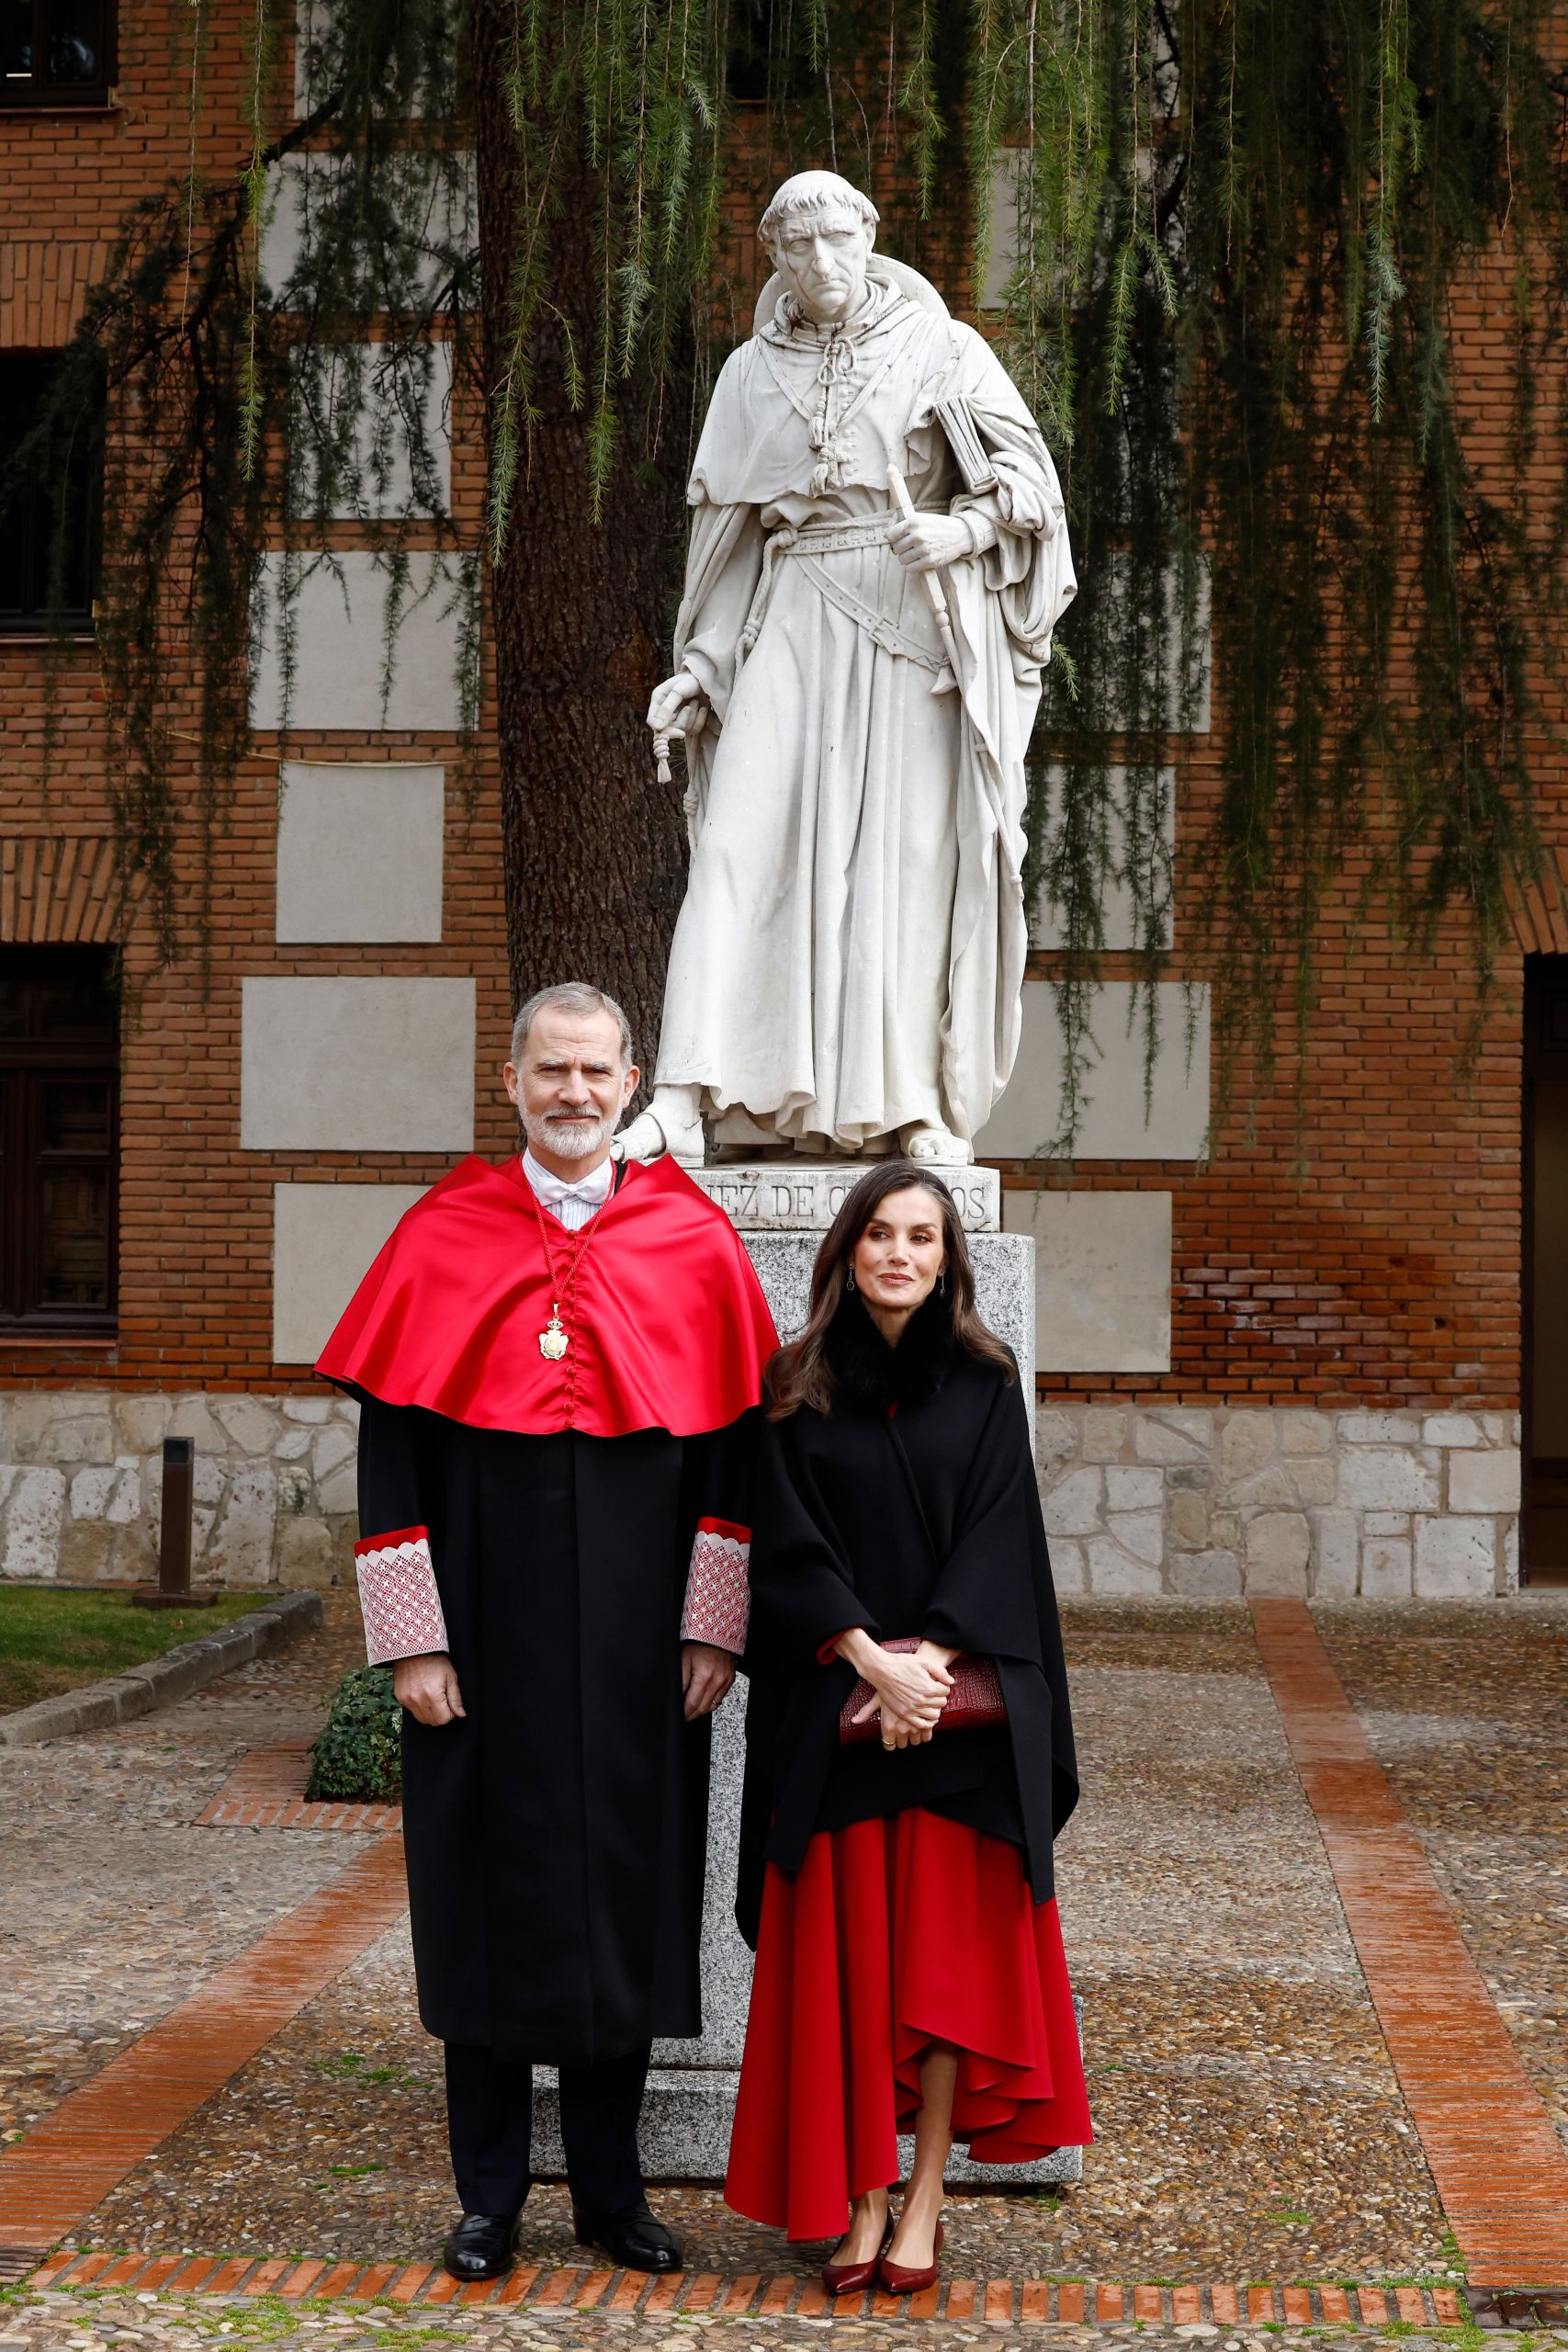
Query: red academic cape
column 528, row 1516
column 667, row 1323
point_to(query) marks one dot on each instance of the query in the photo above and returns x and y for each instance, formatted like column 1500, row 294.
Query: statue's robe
column 557, row 1527
column 850, row 956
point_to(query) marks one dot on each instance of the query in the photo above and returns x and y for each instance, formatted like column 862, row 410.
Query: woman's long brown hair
column 800, row 1373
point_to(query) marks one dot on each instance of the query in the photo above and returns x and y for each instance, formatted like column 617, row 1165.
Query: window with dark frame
column 56, row 53
column 50, row 499
column 59, row 1137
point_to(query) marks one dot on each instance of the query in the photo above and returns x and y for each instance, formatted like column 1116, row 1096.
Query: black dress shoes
column 481, row 2246
column 633, row 2240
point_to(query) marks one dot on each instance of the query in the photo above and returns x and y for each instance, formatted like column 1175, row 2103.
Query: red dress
column 897, row 1932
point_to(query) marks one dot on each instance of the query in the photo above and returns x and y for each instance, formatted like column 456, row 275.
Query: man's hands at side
column 706, row 1674
column 427, row 1687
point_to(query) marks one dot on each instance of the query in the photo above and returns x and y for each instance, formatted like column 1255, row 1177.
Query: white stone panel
column 1484, row 1481
column 1111, row 1124
column 1387, row 1478
column 1456, row 1559
column 316, row 21
column 327, row 616
column 340, row 1065
column 399, row 398
column 1195, row 719
column 1075, row 1505
column 434, row 204
column 796, row 1197
column 359, row 851
column 323, row 1238
column 37, row 1503
column 1009, row 184
column 1101, row 1283
column 1124, row 893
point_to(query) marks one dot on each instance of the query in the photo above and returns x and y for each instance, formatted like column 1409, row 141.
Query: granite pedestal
column 691, row 2094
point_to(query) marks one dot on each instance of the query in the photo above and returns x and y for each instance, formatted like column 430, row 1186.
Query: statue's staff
column 898, row 491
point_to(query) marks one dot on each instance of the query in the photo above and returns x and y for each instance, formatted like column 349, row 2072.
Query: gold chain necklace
column 555, row 1339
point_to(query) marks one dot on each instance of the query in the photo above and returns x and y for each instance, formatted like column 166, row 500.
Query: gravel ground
column 1467, row 1708
column 1248, row 2122
column 64, row 2323
column 112, row 1905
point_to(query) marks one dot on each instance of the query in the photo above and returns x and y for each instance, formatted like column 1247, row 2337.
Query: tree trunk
column 581, row 613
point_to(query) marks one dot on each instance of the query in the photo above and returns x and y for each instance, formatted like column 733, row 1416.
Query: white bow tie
column 595, row 1188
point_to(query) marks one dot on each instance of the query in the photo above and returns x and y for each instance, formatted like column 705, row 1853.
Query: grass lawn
column 57, row 1641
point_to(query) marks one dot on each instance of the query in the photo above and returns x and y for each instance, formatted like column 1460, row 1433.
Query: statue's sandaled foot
column 934, row 1148
column 672, row 1122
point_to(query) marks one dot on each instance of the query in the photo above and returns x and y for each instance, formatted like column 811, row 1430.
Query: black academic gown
column 556, row 1835
column 910, row 1508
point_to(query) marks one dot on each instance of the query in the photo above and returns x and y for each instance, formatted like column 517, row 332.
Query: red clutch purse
column 974, row 1703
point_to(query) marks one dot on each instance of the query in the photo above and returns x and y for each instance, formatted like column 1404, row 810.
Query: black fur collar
column 867, row 1369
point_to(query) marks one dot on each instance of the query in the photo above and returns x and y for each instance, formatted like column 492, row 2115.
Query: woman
column 898, row 1889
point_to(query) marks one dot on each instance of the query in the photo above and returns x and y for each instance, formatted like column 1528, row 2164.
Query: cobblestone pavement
column 1468, row 1713
column 112, row 1905
column 1248, row 2120
column 1249, row 2125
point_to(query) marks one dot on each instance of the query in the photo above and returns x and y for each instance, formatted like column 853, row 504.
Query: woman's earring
column 849, row 1279
column 942, row 1285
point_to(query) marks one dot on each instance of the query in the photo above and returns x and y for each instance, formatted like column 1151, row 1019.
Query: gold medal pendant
column 553, row 1339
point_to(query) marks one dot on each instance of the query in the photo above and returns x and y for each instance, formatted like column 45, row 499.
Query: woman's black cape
column 923, row 1518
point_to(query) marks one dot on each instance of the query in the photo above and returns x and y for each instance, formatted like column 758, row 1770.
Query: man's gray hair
column 570, row 996
column 812, row 192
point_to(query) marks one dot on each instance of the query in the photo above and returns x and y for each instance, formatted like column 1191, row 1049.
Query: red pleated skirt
column 897, row 1933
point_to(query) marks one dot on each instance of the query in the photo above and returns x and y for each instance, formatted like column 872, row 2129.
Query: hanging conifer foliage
column 1244, row 239
column 1231, row 238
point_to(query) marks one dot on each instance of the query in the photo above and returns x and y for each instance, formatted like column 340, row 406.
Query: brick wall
column 1384, row 1277
column 196, row 1239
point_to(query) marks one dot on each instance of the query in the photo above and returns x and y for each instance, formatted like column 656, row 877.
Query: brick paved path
column 1251, row 2125
column 84, row 2321
column 998, row 2302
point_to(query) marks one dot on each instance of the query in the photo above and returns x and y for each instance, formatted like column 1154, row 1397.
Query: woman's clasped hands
column 912, row 1685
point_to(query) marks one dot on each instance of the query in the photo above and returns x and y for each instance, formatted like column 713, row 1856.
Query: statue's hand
column 677, row 708
column 672, row 1122
column 929, row 541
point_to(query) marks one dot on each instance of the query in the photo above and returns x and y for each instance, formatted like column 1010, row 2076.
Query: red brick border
column 1500, row 2169
column 267, row 1791
column 1002, row 2303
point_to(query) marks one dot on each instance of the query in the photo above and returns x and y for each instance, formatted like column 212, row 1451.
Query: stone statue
column 874, row 510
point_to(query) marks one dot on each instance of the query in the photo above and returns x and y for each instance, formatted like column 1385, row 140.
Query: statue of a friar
column 878, row 558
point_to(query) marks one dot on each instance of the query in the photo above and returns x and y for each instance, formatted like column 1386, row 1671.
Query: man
column 558, row 1364
column 878, row 558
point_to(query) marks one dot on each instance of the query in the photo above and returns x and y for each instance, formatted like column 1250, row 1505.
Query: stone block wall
column 1138, row 1499
column 1150, row 1499
column 81, row 1480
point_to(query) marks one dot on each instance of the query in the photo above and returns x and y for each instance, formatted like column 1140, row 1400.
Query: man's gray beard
column 567, row 1140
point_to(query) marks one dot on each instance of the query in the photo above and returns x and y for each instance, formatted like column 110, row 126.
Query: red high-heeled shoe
column 854, row 2277
column 897, row 2280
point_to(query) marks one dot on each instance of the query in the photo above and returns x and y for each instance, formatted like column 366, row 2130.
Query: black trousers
column 490, row 2120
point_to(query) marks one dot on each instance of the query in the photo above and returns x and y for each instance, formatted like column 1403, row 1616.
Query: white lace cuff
column 718, row 1587
column 398, row 1596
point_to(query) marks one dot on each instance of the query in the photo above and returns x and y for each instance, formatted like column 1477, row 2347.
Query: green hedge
column 358, row 1757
